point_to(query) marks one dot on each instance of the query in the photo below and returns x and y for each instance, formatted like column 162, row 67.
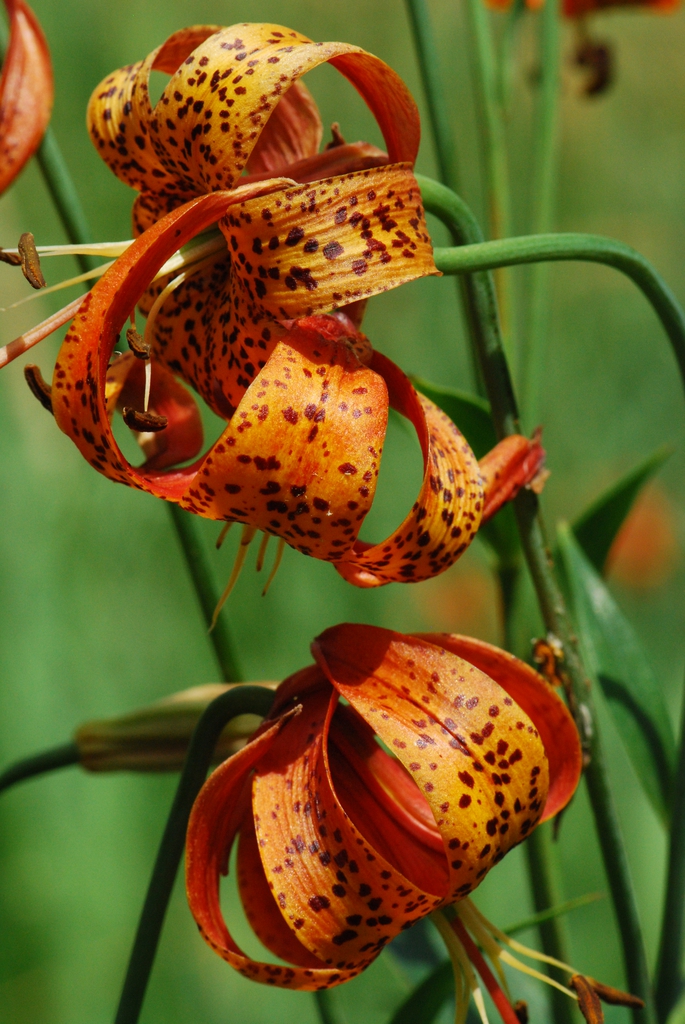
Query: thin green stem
column 327, row 1007
column 242, row 700
column 571, row 246
column 200, row 573
column 544, row 883
column 487, row 341
column 493, row 139
column 444, row 135
column 39, row 764
column 64, row 195
column 669, row 974
column 545, row 149
column 507, row 62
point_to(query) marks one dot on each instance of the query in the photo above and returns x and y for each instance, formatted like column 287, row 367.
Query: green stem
column 669, row 974
column 327, row 1007
column 487, row 341
column 48, row 761
column 242, row 700
column 545, row 164
column 542, row 872
column 200, row 573
column 64, row 195
column 571, row 246
column 493, row 140
column 444, row 135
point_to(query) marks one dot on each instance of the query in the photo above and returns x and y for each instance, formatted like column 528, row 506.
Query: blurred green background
column 97, row 614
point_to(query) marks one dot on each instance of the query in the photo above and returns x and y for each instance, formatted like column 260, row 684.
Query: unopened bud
column 156, row 738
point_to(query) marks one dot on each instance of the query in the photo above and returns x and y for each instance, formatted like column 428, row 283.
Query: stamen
column 614, row 996
column 262, row 551
column 459, row 956
column 30, row 261
column 143, row 422
column 137, row 344
column 148, row 384
column 39, row 387
column 508, row 941
column 79, row 279
column 245, row 541
column 26, row 341
column 506, row 1010
column 274, row 570
column 7, row 256
column 222, row 536
column 588, row 1000
column 337, row 139
column 91, row 249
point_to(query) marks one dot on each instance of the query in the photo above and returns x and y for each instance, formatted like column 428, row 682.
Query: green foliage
column 614, row 656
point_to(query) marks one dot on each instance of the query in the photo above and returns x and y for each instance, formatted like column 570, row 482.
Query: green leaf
column 470, row 413
column 597, row 527
column 616, row 660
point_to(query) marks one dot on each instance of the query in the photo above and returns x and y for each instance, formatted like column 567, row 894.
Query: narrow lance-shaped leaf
column 617, row 661
column 597, row 527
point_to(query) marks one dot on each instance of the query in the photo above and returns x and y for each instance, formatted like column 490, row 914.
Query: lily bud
column 155, row 738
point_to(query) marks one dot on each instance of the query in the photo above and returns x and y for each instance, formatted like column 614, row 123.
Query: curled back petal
column 472, row 751
column 447, row 514
column 119, row 115
column 541, row 703
column 81, row 370
column 307, row 249
column 300, row 457
column 511, row 464
column 292, row 133
column 26, row 91
column 238, row 75
column 339, row 894
column 218, row 814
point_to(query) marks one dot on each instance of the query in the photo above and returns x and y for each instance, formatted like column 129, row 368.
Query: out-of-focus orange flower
column 646, row 550
column 26, row 91
column 580, row 8
column 341, row 844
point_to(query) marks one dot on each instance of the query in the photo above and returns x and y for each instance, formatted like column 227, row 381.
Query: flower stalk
column 487, row 342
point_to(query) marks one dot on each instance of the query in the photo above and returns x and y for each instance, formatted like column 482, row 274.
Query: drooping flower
column 262, row 320
column 341, row 844
column 26, row 91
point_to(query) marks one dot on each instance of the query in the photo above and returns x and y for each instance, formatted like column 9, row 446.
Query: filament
column 460, row 958
column 245, row 541
column 148, row 383
column 222, row 536
column 274, row 570
column 30, row 338
column 262, row 551
column 190, row 270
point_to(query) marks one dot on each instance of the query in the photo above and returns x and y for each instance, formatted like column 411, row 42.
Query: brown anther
column 548, row 655
column 521, row 1011
column 40, row 388
column 30, row 263
column 337, row 139
column 13, row 258
column 615, row 997
column 596, row 59
column 143, row 422
column 588, row 1000
column 137, row 344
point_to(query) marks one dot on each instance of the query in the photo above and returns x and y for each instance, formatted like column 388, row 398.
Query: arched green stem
column 239, row 701
column 39, row 764
column 486, row 339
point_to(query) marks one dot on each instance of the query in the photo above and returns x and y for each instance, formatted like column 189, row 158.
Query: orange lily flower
column 26, row 91
column 341, row 844
column 263, row 318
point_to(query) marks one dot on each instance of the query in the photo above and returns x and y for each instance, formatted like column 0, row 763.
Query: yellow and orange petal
column 225, row 86
column 26, row 91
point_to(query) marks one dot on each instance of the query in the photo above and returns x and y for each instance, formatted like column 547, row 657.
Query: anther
column 588, row 1000
column 39, row 387
column 337, row 139
column 143, row 421
column 30, row 261
column 521, row 1011
column 137, row 344
column 13, row 258
column 615, row 997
